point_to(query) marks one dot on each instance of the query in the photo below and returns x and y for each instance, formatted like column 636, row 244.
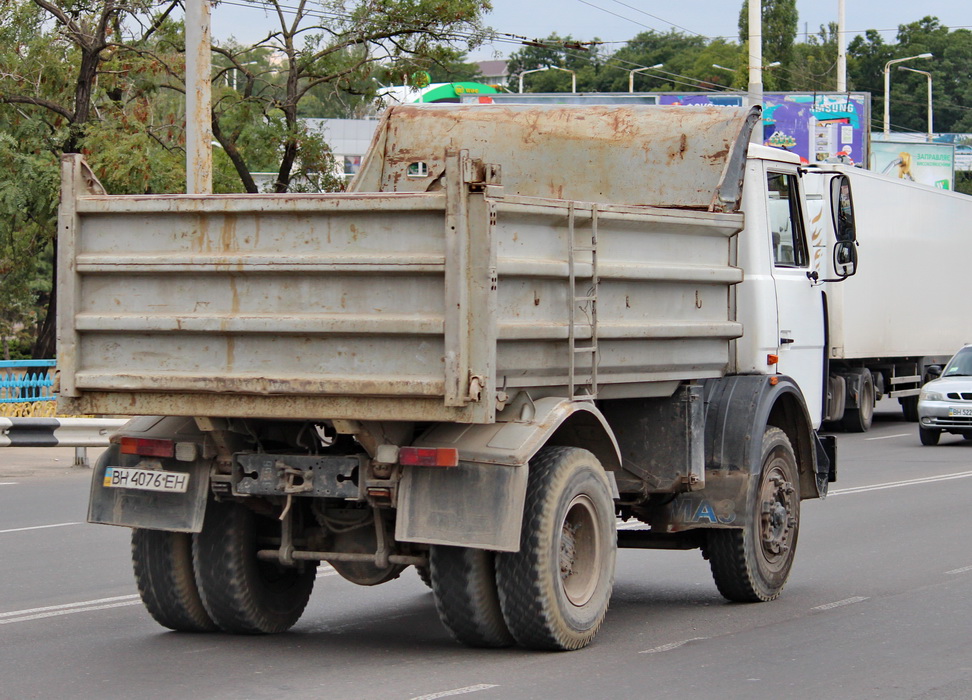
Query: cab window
column 786, row 222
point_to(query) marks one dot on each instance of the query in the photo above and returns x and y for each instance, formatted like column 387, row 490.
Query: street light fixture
column 631, row 74
column 928, row 75
column 573, row 75
column 887, row 89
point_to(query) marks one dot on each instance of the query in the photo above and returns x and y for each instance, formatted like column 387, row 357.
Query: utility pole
column 841, row 49
column 756, row 62
column 199, row 101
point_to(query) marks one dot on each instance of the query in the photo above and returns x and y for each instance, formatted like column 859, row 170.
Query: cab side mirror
column 845, row 226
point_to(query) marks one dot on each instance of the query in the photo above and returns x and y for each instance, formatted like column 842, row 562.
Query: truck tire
column 929, row 436
column 166, row 583
column 242, row 594
column 858, row 420
column 909, row 408
column 751, row 564
column 424, row 573
column 554, row 591
column 464, row 586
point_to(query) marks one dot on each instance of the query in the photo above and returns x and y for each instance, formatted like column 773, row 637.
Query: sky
column 616, row 21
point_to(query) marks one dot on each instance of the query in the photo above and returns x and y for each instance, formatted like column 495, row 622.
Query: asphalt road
column 878, row 606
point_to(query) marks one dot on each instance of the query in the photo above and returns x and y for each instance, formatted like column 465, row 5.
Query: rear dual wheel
column 241, row 593
column 554, row 591
column 166, row 580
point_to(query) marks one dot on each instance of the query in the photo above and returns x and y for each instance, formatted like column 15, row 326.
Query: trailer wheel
column 929, row 436
column 909, row 408
column 166, row 583
column 858, row 420
column 464, row 586
column 243, row 594
column 751, row 564
column 554, row 592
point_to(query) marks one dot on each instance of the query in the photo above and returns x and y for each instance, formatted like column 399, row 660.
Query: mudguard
column 480, row 502
column 177, row 512
column 738, row 409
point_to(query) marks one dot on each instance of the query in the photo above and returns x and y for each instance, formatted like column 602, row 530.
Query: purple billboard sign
column 818, row 127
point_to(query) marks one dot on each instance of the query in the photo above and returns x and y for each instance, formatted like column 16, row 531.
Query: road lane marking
column 673, row 645
column 963, row 570
column 841, row 603
column 68, row 609
column 37, row 527
column 888, row 437
column 896, row 484
column 456, row 691
column 8, row 483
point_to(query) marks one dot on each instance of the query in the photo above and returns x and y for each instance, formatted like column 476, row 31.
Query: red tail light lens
column 147, row 447
column 429, row 456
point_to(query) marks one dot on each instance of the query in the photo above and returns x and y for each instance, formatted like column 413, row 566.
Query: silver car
column 945, row 404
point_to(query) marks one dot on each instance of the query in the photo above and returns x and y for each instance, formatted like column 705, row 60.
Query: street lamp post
column 931, row 124
column 631, row 74
column 573, row 75
column 887, row 89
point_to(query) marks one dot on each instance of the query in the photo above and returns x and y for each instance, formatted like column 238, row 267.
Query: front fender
column 738, row 410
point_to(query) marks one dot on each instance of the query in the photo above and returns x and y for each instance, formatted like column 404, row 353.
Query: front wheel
column 242, row 594
column 929, row 436
column 554, row 591
column 752, row 564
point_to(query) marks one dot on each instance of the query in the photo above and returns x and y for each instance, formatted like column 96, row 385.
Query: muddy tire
column 242, row 594
column 554, row 592
column 164, row 575
column 752, row 564
column 464, row 585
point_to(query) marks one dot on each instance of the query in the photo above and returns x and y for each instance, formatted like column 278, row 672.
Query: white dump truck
column 520, row 324
column 888, row 336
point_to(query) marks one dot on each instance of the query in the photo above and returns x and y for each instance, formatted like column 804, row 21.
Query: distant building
column 494, row 72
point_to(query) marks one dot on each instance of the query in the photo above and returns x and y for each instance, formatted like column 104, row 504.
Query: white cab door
column 799, row 302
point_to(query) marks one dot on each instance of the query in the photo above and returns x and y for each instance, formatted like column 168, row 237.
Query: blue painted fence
column 26, row 380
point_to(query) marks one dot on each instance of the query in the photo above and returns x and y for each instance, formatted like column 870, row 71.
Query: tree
column 52, row 56
column 335, row 45
column 780, row 23
column 583, row 58
column 951, row 63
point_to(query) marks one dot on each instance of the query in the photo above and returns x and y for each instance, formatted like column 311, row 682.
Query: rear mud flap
column 152, row 510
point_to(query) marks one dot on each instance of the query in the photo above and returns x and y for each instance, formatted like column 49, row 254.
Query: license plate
column 145, row 480
column 955, row 411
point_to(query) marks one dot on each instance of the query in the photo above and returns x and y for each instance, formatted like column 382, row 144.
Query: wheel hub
column 776, row 520
column 580, row 553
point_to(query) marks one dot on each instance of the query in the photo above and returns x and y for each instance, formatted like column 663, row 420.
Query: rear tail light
column 429, row 456
column 147, row 447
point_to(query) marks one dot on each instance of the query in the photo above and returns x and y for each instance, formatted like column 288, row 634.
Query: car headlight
column 927, row 395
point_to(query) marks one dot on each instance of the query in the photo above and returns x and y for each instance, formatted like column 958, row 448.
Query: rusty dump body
column 483, row 250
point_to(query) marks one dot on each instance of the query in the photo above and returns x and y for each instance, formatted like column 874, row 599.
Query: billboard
column 818, row 127
column 822, row 127
column 928, row 163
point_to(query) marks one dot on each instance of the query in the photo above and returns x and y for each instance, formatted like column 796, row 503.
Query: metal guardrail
column 57, row 432
column 27, row 405
column 79, row 433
